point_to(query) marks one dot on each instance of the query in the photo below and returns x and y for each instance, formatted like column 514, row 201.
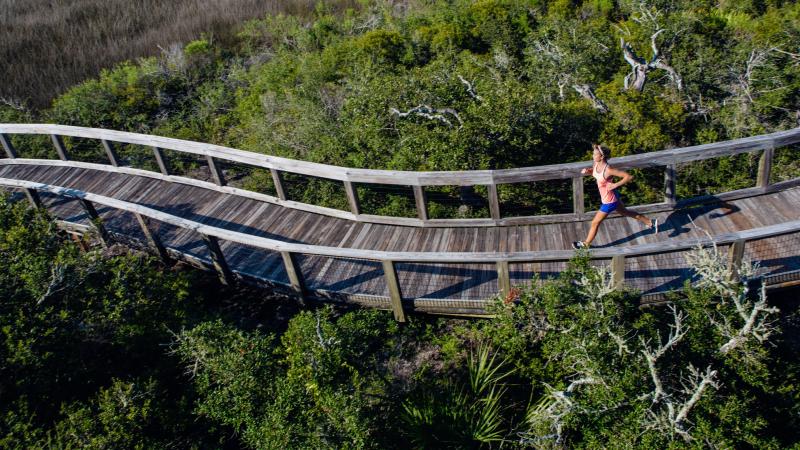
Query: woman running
column 603, row 173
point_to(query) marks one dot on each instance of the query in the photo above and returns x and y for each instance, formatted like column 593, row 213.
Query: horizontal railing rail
column 491, row 179
column 211, row 235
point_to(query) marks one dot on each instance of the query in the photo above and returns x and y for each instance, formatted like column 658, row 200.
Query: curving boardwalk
column 447, row 266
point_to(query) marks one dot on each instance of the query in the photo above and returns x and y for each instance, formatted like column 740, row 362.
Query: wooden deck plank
column 456, row 282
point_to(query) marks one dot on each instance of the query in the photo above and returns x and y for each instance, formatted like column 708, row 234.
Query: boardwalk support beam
column 396, row 297
column 112, row 155
column 494, row 202
column 294, row 274
column 218, row 259
column 578, row 206
column 33, row 198
column 669, row 185
column 421, row 201
column 153, row 241
column 352, row 197
column 10, row 152
column 97, row 222
column 618, row 271
column 765, row 167
column 161, row 160
column 216, row 173
column 735, row 255
column 58, row 143
column 277, row 179
column 503, row 278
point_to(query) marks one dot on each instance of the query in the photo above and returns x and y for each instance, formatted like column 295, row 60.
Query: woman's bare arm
column 625, row 177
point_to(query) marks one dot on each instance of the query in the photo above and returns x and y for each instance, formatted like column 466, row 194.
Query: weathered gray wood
column 494, row 202
column 390, row 274
column 218, row 259
column 153, row 241
column 578, row 204
column 654, row 159
column 161, row 160
column 352, row 198
column 112, row 155
column 294, row 273
column 97, row 222
column 665, row 246
column 33, row 198
column 669, row 185
column 765, row 168
column 10, row 151
column 216, row 173
column 503, row 278
column 58, row 143
column 277, row 179
column 421, row 201
column 618, row 271
column 735, row 255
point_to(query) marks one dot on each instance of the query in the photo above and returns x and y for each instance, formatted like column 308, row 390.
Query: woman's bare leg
column 598, row 219
column 633, row 214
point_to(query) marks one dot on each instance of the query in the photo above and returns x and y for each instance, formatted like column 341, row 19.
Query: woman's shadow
column 679, row 221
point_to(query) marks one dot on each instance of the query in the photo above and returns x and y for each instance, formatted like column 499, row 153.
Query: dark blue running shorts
column 608, row 207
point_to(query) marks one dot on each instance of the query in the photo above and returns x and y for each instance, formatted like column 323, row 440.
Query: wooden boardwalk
column 437, row 265
column 456, row 285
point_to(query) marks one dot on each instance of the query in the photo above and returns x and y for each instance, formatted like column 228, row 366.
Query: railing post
column 390, row 274
column 112, row 155
column 153, row 241
column 33, row 198
column 578, row 205
column 618, row 271
column 294, row 274
column 669, row 185
column 216, row 173
column 352, row 197
column 735, row 255
column 278, row 180
column 421, row 202
column 97, row 222
column 10, row 152
column 218, row 259
column 161, row 160
column 765, row 167
column 58, row 143
column 494, row 202
column 503, row 278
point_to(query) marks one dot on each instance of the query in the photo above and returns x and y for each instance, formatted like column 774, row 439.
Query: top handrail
column 413, row 178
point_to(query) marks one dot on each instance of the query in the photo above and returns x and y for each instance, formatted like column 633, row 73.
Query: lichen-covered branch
column 430, row 113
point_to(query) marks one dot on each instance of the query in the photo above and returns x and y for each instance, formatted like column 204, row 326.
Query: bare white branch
column 431, row 113
column 640, row 67
column 470, row 89
column 586, row 92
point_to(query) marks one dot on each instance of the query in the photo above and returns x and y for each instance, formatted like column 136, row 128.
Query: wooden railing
column 418, row 181
column 288, row 250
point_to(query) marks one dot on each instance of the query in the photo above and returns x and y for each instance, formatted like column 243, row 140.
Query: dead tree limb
column 586, row 92
column 640, row 67
column 431, row 113
column 470, row 89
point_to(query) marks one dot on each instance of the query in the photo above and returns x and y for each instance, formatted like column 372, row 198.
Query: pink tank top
column 606, row 194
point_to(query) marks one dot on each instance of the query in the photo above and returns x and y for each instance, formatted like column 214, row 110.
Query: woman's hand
column 586, row 171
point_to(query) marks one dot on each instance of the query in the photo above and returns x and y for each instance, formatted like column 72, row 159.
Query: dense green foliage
column 501, row 73
column 109, row 349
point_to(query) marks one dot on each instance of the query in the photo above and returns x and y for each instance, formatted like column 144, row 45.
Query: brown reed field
column 47, row 46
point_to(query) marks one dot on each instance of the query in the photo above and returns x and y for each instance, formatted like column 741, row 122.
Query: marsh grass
column 47, row 46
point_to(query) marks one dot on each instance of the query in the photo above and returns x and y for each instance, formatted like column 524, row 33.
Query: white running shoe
column 577, row 245
column 654, row 226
